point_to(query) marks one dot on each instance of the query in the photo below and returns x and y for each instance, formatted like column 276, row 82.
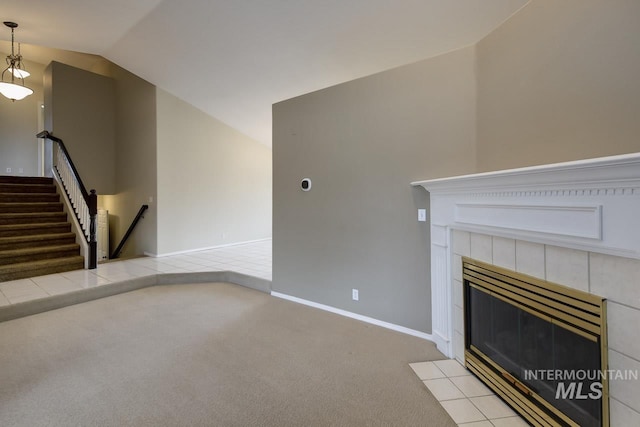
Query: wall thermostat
column 305, row 184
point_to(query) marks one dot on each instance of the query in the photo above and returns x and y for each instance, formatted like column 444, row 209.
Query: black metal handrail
column 45, row 134
column 90, row 198
column 135, row 221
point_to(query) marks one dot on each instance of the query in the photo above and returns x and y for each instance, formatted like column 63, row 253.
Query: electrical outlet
column 355, row 295
column 8, row 170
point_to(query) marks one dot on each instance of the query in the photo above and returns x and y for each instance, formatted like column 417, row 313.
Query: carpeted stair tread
column 40, row 267
column 36, row 240
column 30, row 207
column 32, row 217
column 14, row 256
column 28, row 197
column 27, row 188
column 6, row 179
column 10, row 230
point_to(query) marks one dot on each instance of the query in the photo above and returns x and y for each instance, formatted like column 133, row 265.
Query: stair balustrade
column 84, row 203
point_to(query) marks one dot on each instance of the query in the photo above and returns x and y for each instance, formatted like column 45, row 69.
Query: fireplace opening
column 538, row 345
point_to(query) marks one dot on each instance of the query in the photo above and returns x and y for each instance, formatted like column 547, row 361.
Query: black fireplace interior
column 520, row 343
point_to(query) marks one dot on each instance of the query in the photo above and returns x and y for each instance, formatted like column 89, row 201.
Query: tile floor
column 253, row 259
column 467, row 400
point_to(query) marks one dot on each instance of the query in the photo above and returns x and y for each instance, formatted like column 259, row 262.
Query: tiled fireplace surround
column 575, row 223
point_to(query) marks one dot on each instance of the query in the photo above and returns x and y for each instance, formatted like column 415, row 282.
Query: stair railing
column 135, row 221
column 85, row 204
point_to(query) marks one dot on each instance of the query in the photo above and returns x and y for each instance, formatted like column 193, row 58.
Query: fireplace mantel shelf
column 615, row 172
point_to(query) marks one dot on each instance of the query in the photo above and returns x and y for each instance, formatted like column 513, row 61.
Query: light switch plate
column 422, row 215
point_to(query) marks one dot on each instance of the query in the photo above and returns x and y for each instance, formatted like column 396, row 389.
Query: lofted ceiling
column 234, row 58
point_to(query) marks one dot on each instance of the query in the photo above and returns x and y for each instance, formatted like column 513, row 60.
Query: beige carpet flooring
column 209, row 355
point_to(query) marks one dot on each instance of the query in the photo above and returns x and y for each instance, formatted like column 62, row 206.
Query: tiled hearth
column 576, row 224
column 469, row 402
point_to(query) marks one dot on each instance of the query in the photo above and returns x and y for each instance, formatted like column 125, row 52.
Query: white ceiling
column 234, row 58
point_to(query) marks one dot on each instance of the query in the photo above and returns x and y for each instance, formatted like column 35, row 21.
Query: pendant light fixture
column 9, row 88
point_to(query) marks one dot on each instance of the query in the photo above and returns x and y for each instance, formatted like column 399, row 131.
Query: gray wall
column 81, row 110
column 19, row 126
column 556, row 82
column 560, row 81
column 136, row 163
column 214, row 183
column 362, row 143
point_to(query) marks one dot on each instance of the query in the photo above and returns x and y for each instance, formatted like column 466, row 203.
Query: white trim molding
column 188, row 251
column 356, row 316
column 575, row 221
column 591, row 205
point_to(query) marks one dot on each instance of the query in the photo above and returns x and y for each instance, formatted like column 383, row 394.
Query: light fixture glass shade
column 14, row 92
column 19, row 73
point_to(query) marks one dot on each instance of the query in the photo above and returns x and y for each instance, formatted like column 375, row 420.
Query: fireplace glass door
column 534, row 347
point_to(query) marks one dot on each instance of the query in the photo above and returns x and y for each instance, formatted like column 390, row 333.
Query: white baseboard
column 356, row 316
column 188, row 251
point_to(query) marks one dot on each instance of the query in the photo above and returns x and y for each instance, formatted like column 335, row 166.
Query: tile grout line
column 486, row 418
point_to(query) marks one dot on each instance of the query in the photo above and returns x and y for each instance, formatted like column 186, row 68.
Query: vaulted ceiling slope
column 234, row 58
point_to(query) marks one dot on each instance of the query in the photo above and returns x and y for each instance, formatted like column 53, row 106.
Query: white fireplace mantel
column 591, row 205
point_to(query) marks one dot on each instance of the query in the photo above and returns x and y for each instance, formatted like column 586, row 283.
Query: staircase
column 35, row 235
